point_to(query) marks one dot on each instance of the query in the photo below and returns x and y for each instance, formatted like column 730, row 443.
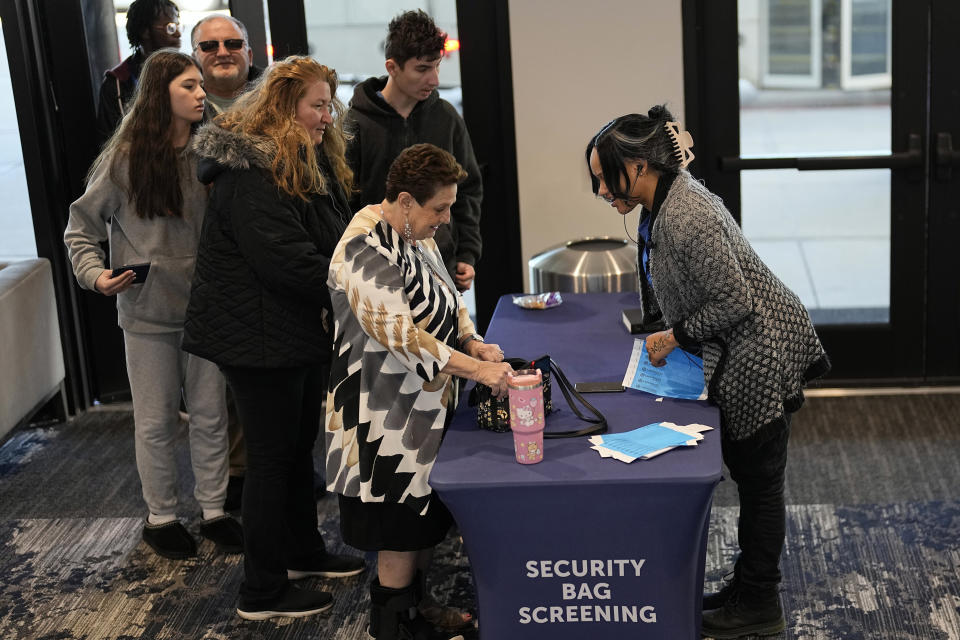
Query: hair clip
column 682, row 142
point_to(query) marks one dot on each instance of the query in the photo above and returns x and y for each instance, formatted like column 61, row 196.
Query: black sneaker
column 225, row 532
column 740, row 617
column 295, row 603
column 170, row 540
column 331, row 565
column 234, row 494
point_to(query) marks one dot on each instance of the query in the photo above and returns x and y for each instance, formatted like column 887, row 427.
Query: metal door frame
column 920, row 342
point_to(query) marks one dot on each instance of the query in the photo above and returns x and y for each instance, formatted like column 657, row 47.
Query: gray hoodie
column 105, row 212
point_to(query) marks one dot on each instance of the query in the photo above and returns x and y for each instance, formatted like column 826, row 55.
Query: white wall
column 348, row 34
column 577, row 65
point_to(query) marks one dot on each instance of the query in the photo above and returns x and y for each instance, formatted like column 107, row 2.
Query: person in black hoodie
column 260, row 308
column 389, row 114
column 151, row 25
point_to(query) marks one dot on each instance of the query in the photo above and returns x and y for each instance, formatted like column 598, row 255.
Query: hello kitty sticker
column 526, row 415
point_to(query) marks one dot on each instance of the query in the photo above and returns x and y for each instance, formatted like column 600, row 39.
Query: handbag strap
column 598, row 422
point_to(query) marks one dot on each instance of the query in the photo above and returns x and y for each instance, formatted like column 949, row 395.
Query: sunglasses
column 170, row 28
column 233, row 44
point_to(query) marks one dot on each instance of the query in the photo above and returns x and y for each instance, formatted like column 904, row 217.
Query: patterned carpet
column 864, row 572
column 90, row 578
column 73, row 566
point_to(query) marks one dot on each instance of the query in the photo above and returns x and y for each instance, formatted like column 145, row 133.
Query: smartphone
column 140, row 271
column 598, row 387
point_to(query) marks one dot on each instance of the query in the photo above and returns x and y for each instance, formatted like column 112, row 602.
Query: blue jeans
column 280, row 411
column 758, row 468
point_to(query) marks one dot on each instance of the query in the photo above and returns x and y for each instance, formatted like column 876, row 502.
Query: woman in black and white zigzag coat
column 759, row 346
column 402, row 334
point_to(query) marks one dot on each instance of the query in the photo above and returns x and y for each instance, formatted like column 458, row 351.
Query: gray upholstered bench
column 31, row 357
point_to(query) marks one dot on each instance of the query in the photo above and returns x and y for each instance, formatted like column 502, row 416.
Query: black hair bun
column 659, row 112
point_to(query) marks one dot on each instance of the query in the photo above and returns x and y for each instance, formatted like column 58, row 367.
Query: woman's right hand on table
column 494, row 375
column 110, row 286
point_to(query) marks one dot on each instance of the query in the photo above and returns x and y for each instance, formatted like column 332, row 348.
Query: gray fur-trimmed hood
column 218, row 149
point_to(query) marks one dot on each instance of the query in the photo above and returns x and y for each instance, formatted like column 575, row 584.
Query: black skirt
column 388, row 526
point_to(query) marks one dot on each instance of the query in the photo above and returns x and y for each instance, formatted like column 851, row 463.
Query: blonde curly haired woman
column 260, row 309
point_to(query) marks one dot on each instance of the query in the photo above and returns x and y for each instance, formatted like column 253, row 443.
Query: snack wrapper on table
column 538, row 300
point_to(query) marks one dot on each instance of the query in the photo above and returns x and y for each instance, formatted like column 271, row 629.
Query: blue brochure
column 645, row 440
column 681, row 377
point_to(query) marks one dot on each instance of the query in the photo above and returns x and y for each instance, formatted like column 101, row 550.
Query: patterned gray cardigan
column 759, row 346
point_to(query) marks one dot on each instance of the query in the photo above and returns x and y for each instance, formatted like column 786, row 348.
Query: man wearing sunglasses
column 151, row 25
column 220, row 45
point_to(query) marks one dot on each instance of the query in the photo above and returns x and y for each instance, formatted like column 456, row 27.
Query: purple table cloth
column 580, row 546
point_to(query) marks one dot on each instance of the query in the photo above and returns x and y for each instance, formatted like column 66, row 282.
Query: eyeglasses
column 233, row 44
column 171, row 28
column 610, row 197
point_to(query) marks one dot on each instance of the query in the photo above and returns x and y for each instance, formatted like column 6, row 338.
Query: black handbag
column 493, row 413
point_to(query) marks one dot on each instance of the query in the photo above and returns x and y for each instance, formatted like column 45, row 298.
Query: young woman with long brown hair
column 143, row 197
column 260, row 309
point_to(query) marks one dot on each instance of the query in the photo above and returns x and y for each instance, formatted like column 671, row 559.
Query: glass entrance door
column 834, row 177
column 825, row 233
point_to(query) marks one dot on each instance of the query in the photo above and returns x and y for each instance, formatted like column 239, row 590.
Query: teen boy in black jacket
column 389, row 114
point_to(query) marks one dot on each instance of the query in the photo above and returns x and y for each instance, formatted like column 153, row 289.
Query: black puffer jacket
column 259, row 296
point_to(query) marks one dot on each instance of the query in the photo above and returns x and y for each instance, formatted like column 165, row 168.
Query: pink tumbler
column 525, row 388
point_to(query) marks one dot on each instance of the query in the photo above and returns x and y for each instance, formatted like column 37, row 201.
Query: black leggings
column 280, row 411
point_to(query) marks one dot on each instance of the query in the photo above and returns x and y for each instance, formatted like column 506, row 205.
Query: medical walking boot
column 439, row 615
column 745, row 614
column 394, row 616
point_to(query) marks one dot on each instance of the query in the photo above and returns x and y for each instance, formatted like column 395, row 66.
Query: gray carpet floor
column 872, row 548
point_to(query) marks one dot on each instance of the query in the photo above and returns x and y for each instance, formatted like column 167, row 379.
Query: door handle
column 912, row 157
column 945, row 157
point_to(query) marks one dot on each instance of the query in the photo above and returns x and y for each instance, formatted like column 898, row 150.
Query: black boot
column 716, row 599
column 745, row 614
column 394, row 615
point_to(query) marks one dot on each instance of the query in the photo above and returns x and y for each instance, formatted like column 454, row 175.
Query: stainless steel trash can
column 586, row 265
